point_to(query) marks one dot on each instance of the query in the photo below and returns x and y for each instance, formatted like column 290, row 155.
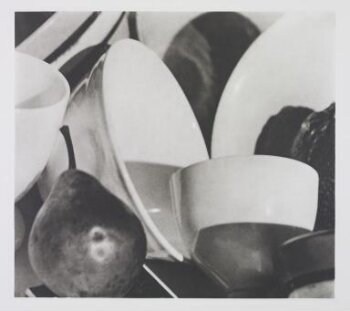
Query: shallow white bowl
column 254, row 189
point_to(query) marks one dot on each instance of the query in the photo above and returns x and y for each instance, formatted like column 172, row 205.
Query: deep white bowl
column 41, row 98
column 244, row 189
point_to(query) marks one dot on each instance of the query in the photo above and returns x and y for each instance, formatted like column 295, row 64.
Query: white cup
column 241, row 189
column 42, row 95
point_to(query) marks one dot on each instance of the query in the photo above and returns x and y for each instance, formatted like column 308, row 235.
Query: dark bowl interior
column 307, row 259
column 242, row 256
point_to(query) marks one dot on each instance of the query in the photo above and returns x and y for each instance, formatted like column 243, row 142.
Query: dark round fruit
column 315, row 145
column 278, row 134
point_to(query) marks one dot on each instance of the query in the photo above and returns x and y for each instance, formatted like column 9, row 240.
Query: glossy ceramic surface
column 290, row 64
column 164, row 129
column 41, row 97
column 52, row 33
column 148, row 115
column 253, row 189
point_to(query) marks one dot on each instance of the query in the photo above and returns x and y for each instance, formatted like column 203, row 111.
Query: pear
column 85, row 242
column 19, row 228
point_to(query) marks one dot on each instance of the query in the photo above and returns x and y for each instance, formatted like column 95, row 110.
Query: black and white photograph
column 175, row 154
column 171, row 154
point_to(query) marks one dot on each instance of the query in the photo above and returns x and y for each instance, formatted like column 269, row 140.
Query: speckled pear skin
column 85, row 242
column 20, row 228
column 315, row 145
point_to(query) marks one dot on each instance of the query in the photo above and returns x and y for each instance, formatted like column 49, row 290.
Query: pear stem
column 67, row 138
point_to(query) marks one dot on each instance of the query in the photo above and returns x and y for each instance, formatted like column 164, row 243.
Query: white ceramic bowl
column 152, row 184
column 41, row 94
column 291, row 64
column 255, row 189
column 131, row 109
column 149, row 120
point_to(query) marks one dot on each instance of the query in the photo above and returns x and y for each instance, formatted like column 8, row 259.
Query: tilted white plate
column 61, row 25
column 150, row 121
column 52, row 33
column 291, row 64
column 148, row 115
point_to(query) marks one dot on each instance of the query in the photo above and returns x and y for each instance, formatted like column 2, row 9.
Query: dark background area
column 27, row 22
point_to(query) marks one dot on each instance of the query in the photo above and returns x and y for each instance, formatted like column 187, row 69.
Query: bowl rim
column 248, row 156
column 307, row 236
column 66, row 91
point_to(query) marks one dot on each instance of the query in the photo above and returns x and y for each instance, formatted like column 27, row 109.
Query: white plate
column 95, row 34
column 52, row 33
column 149, row 121
column 61, row 25
column 291, row 64
column 148, row 115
